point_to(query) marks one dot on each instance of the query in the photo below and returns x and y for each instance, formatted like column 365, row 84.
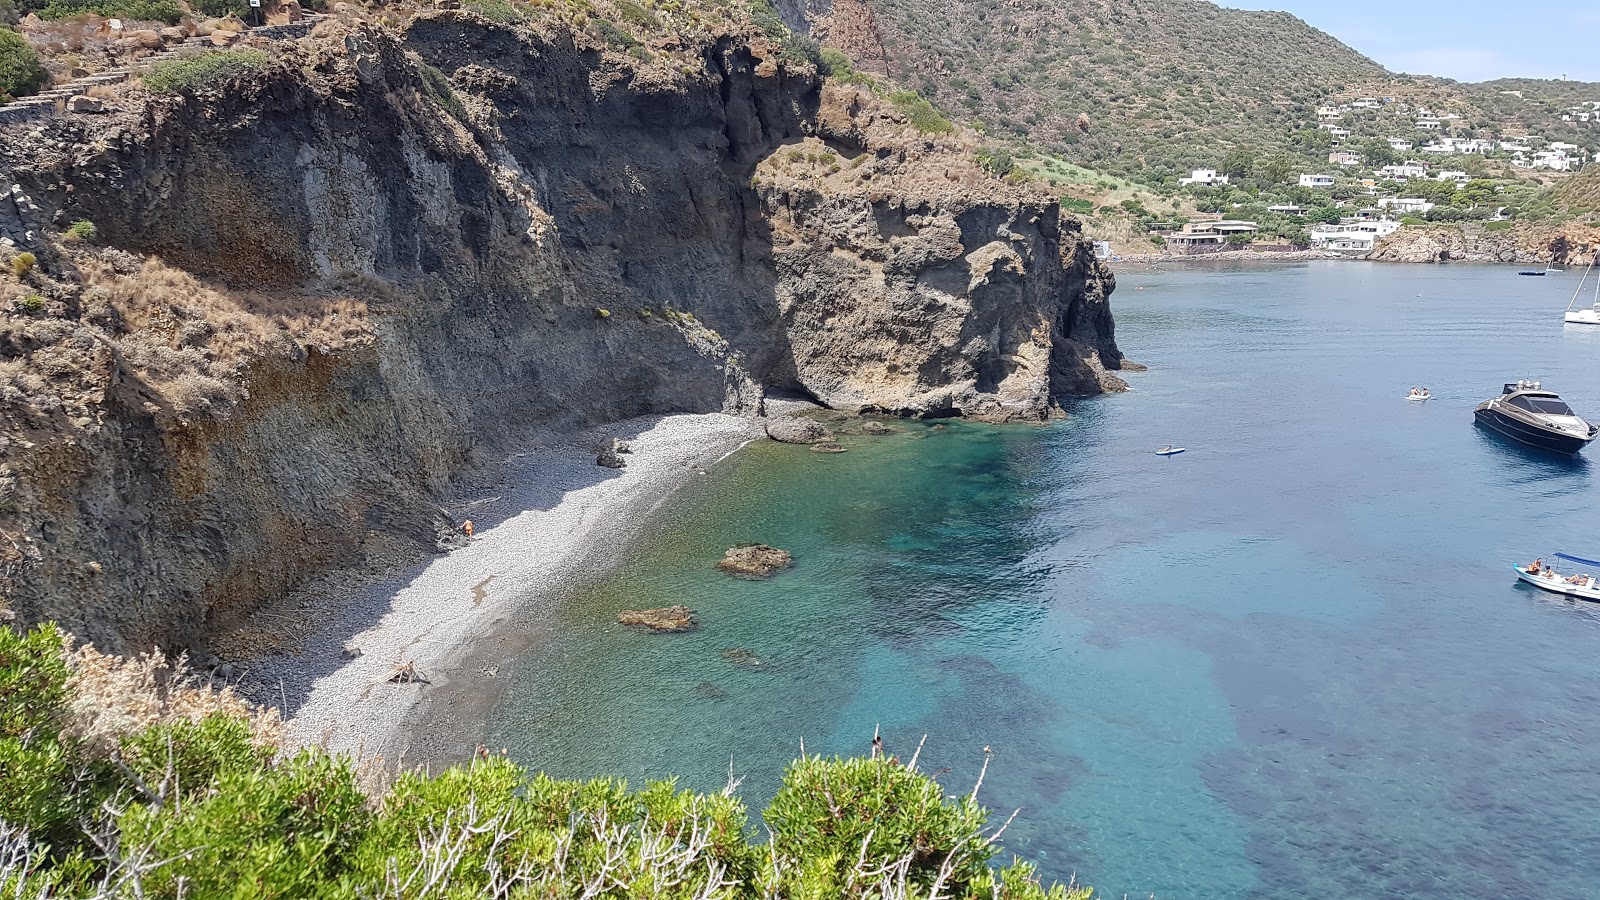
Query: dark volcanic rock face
column 562, row 237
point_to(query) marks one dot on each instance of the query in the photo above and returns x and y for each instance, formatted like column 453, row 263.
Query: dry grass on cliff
column 113, row 697
column 193, row 343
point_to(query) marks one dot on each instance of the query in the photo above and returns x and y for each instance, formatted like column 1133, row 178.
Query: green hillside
column 1153, row 88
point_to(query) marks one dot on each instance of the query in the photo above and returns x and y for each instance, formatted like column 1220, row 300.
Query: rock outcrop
column 755, row 561
column 797, row 430
column 1571, row 244
column 381, row 261
column 663, row 620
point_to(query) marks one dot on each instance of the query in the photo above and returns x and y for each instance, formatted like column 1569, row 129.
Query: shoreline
column 459, row 618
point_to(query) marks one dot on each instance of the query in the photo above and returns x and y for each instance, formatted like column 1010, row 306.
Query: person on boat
column 1535, row 566
column 1415, row 393
column 1166, row 448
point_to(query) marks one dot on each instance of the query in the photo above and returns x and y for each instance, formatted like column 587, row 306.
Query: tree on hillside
column 20, row 71
column 1473, row 193
column 1379, row 153
column 1238, row 162
column 1274, row 169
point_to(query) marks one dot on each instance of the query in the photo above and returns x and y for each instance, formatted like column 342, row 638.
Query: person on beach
column 466, row 528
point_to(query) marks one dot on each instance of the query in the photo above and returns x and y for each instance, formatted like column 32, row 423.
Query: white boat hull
column 1419, row 398
column 1583, row 317
column 1558, row 585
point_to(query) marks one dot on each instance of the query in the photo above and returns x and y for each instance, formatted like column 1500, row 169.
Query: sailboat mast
column 1581, row 281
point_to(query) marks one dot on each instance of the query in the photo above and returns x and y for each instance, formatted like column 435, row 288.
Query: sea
column 1292, row 661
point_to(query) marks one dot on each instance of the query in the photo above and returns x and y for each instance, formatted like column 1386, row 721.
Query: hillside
column 1150, row 88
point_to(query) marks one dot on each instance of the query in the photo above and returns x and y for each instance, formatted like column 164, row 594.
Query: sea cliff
column 319, row 292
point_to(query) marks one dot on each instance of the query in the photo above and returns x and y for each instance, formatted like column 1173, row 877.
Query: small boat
column 1583, row 585
column 1582, row 316
column 1170, row 451
column 1530, row 272
column 1418, row 398
column 1528, row 413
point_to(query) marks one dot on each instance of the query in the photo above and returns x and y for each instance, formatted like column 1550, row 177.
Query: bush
column 923, row 116
column 21, row 73
column 437, row 87
column 996, row 160
column 22, row 264
column 1496, row 226
column 1079, row 206
column 213, row 812
column 202, row 70
column 1412, row 220
column 82, row 230
column 219, row 9
column 133, row 10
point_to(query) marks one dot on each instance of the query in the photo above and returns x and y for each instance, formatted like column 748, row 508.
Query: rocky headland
column 317, row 293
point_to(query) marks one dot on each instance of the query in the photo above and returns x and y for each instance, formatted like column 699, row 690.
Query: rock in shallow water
column 827, row 447
column 661, row 620
column 741, row 656
column 755, row 561
column 871, row 427
column 797, row 431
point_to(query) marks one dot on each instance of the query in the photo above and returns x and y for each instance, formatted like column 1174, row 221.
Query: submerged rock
column 797, row 431
column 741, row 656
column 755, row 561
column 710, row 691
column 871, row 427
column 662, row 620
column 827, row 447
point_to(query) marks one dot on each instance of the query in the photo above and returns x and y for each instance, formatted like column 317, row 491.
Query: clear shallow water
column 1290, row 662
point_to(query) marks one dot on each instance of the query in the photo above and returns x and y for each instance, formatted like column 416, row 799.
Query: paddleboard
column 1173, row 452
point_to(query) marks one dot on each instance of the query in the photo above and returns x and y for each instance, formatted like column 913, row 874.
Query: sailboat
column 1582, row 316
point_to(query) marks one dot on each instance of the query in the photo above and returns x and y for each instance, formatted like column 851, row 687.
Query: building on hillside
column 1348, row 237
column 1409, row 169
column 1204, row 176
column 1201, row 234
column 1399, row 145
column 1367, row 103
column 1450, row 117
column 1563, row 146
column 1429, row 124
column 1329, row 112
column 1102, row 249
column 1316, row 181
column 1513, row 145
column 1287, row 209
column 1405, row 205
column 1455, row 175
column 1516, row 94
column 1554, row 160
column 1344, row 158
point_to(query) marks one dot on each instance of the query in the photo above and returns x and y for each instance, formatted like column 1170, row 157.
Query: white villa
column 1287, row 209
column 1515, row 145
column 1316, row 181
column 1429, row 124
column 1204, row 176
column 1555, row 160
column 1452, row 175
column 1399, row 145
column 1409, row 169
column 1200, row 234
column 1329, row 112
column 1355, row 237
column 1368, row 103
column 1344, row 158
column 1405, row 204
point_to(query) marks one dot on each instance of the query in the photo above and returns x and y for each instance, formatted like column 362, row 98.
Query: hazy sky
column 1470, row 40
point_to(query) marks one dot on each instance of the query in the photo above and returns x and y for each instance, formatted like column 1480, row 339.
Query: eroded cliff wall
column 424, row 247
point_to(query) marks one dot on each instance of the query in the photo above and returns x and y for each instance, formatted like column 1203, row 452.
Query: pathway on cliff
column 46, row 102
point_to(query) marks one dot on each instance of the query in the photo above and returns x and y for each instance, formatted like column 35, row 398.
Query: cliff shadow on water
column 323, row 290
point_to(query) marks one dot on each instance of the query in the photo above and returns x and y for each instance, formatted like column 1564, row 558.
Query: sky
column 1469, row 40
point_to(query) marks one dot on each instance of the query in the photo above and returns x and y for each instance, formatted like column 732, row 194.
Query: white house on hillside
column 1344, row 158
column 1429, row 124
column 1405, row 204
column 1316, row 181
column 1458, row 177
column 1399, row 145
column 1409, row 169
column 1204, row 176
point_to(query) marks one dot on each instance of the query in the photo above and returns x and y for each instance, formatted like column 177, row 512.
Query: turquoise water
column 1290, row 662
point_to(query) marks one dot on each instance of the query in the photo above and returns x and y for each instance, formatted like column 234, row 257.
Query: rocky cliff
column 321, row 290
column 1573, row 244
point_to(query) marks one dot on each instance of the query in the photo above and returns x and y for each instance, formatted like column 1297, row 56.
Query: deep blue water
column 1290, row 662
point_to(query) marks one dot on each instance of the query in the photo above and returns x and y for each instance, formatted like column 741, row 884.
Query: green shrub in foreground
column 923, row 116
column 202, row 70
column 195, row 806
column 21, row 73
column 133, row 10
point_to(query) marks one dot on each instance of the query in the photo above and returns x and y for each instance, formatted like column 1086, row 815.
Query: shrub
column 1076, row 205
column 31, row 304
column 21, row 73
column 602, row 313
column 1496, row 226
column 437, row 87
column 134, row 10
column 22, row 264
column 922, row 114
column 996, row 160
column 202, row 70
column 1412, row 220
column 218, row 9
column 82, row 230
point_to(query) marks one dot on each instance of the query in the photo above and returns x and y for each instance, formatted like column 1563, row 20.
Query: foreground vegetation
column 128, row 778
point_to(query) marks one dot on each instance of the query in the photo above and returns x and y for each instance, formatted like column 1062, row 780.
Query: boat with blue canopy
column 1582, row 582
